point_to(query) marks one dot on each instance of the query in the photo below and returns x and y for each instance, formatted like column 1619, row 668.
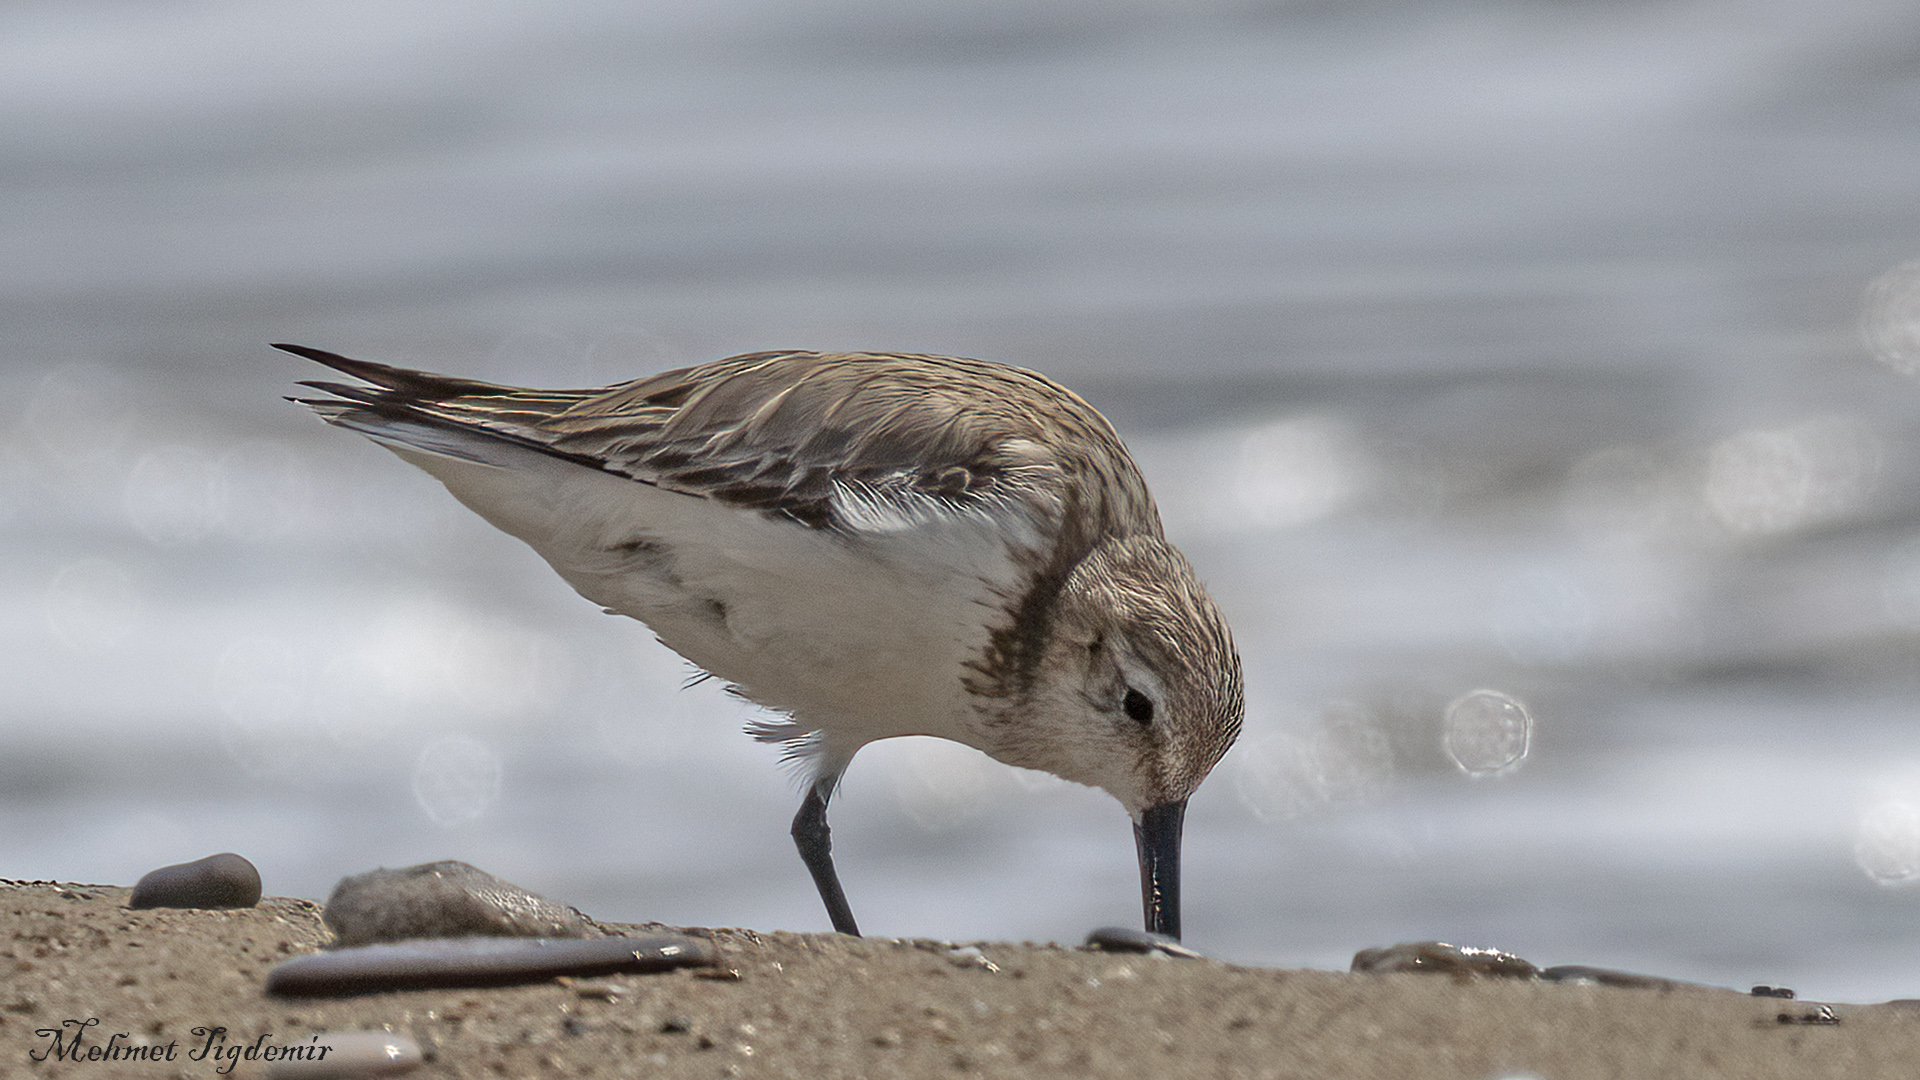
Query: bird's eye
column 1138, row 706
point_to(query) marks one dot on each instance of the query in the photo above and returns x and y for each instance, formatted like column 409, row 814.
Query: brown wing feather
column 776, row 431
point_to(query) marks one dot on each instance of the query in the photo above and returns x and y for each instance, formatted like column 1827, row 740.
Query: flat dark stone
column 448, row 899
column 217, row 881
column 479, row 961
column 1126, row 939
column 1438, row 957
column 1824, row 1014
column 1581, row 973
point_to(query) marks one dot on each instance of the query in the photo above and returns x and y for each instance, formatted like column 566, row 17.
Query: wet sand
column 817, row 1005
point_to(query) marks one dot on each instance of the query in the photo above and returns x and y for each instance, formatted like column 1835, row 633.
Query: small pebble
column 1820, row 1016
column 442, row 900
column 971, row 958
column 217, row 881
column 479, row 961
column 597, row 991
column 1126, row 939
column 1441, row 958
column 1581, row 973
column 350, row 1055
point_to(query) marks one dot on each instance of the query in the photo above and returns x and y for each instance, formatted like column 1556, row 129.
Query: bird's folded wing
column 836, row 441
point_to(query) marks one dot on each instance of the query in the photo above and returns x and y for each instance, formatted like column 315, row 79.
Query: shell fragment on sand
column 351, row 1055
column 1125, row 939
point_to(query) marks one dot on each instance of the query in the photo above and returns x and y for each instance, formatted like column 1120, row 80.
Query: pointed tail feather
column 421, row 384
column 408, row 410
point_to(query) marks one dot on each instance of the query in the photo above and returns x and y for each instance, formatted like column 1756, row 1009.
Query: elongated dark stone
column 1582, row 973
column 479, row 961
column 218, row 881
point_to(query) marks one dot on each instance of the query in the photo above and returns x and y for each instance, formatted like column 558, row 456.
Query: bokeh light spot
column 171, row 497
column 1887, row 842
column 1488, row 733
column 91, row 604
column 263, row 490
column 1769, row 481
column 1891, row 320
column 1339, row 755
column 79, row 415
column 1297, row 470
column 456, row 779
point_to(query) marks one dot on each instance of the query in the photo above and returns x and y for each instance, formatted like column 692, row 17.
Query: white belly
column 859, row 636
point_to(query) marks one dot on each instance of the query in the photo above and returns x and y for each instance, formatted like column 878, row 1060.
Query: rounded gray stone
column 442, row 900
column 218, row 881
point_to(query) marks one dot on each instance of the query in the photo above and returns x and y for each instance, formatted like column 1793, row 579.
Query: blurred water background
column 1506, row 345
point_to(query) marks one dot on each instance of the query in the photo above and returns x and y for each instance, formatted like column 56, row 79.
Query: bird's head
column 1136, row 690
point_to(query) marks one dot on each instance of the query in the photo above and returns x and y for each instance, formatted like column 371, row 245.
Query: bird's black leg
column 815, row 841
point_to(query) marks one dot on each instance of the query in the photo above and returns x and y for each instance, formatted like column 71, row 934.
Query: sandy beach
column 813, row 1005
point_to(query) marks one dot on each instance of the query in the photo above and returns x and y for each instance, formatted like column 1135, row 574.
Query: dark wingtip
column 406, row 381
column 320, row 355
column 360, row 369
column 382, row 375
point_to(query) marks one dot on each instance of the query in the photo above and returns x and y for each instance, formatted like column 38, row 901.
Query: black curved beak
column 1157, row 837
